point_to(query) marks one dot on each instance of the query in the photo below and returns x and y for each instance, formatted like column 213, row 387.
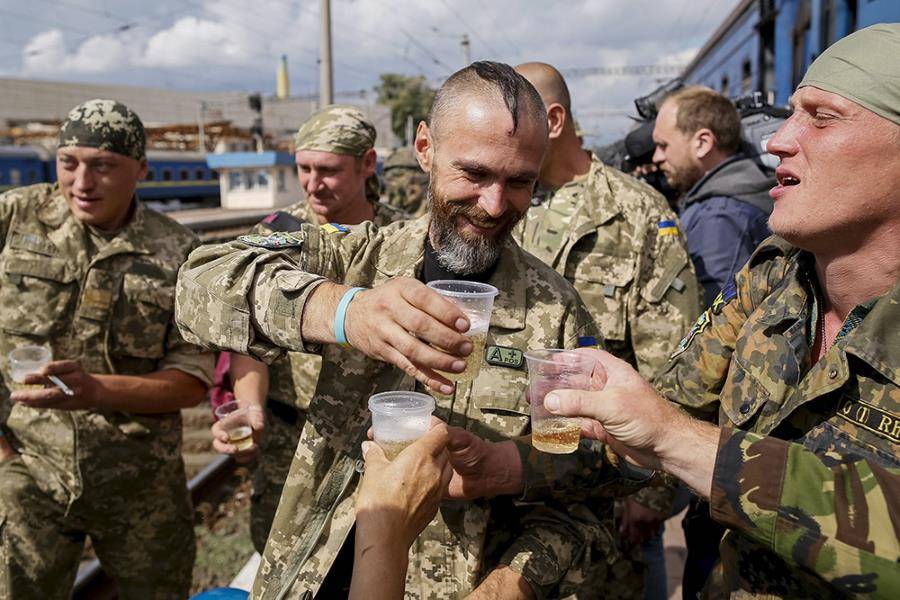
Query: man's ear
column 369, row 162
column 556, row 120
column 143, row 169
column 424, row 146
column 703, row 142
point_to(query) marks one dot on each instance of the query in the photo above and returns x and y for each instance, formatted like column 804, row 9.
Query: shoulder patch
column 282, row 221
column 272, row 241
column 502, row 356
column 335, row 228
column 726, row 295
column 870, row 417
column 701, row 324
column 667, row 227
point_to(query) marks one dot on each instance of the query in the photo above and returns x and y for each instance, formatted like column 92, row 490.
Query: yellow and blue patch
column 335, row 228
column 667, row 227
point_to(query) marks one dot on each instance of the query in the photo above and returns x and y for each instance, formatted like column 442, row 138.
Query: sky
column 236, row 44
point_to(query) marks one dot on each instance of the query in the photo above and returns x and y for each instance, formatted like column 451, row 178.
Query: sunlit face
column 98, row 185
column 839, row 174
column 674, row 154
column 482, row 178
column 333, row 183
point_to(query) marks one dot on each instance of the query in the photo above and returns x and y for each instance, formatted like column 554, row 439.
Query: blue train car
column 171, row 176
column 767, row 45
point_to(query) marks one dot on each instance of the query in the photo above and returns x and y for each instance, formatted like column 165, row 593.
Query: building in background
column 767, row 45
column 255, row 180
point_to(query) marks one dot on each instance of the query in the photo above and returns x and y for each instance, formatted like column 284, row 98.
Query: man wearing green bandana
column 784, row 397
column 336, row 166
column 87, row 272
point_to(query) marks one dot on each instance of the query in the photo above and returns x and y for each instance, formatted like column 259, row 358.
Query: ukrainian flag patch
column 667, row 228
column 335, row 228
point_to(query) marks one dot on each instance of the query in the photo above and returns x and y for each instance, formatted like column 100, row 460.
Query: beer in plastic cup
column 554, row 369
column 476, row 300
column 235, row 421
column 399, row 419
column 25, row 360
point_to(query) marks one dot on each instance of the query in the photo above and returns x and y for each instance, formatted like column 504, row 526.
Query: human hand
column 398, row 498
column 83, row 386
column 221, row 443
column 403, row 322
column 482, row 469
column 639, row 523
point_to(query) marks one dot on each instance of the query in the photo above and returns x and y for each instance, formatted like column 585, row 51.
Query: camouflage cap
column 107, row 125
column 339, row 129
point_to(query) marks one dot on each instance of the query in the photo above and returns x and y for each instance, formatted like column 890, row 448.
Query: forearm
column 688, row 450
column 159, row 392
column 379, row 569
column 503, row 583
column 250, row 379
column 317, row 322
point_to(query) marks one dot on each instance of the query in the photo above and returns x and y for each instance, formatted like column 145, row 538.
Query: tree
column 404, row 96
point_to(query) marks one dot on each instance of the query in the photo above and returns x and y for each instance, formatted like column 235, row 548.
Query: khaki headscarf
column 863, row 67
column 339, row 129
column 107, row 125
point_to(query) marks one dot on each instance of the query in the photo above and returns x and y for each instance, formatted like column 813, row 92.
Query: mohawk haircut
column 486, row 78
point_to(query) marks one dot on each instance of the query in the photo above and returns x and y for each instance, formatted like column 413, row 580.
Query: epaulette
column 282, row 221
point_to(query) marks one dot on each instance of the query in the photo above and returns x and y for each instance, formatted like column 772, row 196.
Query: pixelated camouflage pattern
column 832, row 514
column 107, row 302
column 338, row 128
column 247, row 299
column 292, row 382
column 601, row 232
column 106, row 125
column 749, row 368
column 405, row 183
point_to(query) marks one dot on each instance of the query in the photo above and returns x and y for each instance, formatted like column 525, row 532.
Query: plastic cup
column 235, row 421
column 399, row 419
column 25, row 360
column 476, row 300
column 553, row 369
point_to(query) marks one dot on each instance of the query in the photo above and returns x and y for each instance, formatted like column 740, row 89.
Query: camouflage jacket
column 292, row 379
column 807, row 471
column 248, row 296
column 618, row 242
column 107, row 303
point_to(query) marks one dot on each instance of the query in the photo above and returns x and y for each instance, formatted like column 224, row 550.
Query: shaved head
column 549, row 83
column 490, row 81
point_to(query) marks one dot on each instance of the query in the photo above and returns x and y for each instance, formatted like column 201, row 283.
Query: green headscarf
column 339, row 129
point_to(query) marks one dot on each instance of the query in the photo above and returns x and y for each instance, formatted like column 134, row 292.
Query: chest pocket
column 743, row 399
column 502, row 403
column 35, row 295
column 603, row 282
column 144, row 314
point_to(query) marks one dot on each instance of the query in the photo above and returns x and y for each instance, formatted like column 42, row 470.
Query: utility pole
column 201, row 134
column 326, row 93
column 467, row 49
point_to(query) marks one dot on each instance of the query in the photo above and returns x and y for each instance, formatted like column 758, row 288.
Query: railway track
column 211, row 476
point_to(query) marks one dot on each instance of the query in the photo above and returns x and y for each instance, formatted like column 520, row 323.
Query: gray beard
column 455, row 253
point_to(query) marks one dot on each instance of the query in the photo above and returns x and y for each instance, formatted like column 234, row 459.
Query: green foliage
column 405, row 96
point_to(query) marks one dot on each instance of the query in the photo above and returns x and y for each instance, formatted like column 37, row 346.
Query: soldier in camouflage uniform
column 618, row 242
column 346, row 138
column 796, row 360
column 89, row 273
column 292, row 304
column 405, row 183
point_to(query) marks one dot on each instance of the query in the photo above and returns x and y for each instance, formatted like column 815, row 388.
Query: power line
column 425, row 49
column 501, row 29
column 623, row 70
column 470, row 28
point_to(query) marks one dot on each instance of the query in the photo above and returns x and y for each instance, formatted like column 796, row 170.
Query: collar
column 877, row 338
column 688, row 198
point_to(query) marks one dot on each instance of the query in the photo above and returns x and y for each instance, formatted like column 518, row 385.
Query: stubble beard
column 465, row 254
column 682, row 179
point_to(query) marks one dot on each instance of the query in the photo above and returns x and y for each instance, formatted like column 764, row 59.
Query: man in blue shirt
column 725, row 202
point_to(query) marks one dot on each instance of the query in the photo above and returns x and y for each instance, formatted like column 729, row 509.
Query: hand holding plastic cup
column 26, row 360
column 399, row 419
column 555, row 369
column 476, row 300
column 235, row 421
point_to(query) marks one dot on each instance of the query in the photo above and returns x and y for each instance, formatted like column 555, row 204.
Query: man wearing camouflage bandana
column 335, row 164
column 89, row 273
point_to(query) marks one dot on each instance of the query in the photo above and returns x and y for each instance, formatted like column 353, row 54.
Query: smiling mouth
column 788, row 180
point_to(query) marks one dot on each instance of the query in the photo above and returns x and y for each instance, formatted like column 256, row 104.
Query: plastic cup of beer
column 235, row 421
column 399, row 419
column 476, row 300
column 554, row 369
column 26, row 360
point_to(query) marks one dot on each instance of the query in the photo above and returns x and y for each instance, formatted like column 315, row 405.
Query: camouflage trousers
column 144, row 538
column 276, row 452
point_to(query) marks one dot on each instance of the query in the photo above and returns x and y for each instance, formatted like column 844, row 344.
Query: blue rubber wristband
column 341, row 314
